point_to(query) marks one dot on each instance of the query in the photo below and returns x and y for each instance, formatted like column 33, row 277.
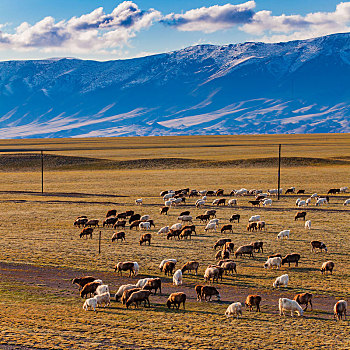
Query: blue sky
column 103, row 30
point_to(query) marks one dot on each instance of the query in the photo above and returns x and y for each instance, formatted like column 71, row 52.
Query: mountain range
column 249, row 88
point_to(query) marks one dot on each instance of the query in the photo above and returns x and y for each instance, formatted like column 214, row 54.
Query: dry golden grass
column 38, row 230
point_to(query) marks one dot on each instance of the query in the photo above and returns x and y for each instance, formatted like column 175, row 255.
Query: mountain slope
column 298, row 86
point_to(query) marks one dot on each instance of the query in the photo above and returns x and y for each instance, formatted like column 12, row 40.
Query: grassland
column 41, row 251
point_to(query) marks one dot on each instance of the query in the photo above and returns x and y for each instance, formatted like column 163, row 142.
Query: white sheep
column 215, row 201
column 281, row 281
column 103, row 299
column 210, row 226
column 200, row 203
column 321, row 201
column 308, row 201
column 164, row 229
column 123, row 288
column 167, row 203
column 297, row 201
column 301, row 203
column 343, row 189
column 314, row 195
column 285, row 304
column 283, row 234
column 215, row 221
column 241, row 192
column 254, row 218
column 203, row 192
column 168, row 195
column 142, row 282
column 347, row 201
column 232, row 202
column 175, row 227
column 176, row 201
column 185, row 218
column 165, row 261
column 90, row 303
column 177, row 278
column 273, row 262
column 235, row 309
column 144, row 217
column 144, row 225
column 103, row 288
column 308, row 224
column 272, row 192
column 136, row 268
column 267, row 202
column 139, row 201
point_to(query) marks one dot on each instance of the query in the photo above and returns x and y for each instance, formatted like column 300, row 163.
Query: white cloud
column 92, row 31
column 211, row 19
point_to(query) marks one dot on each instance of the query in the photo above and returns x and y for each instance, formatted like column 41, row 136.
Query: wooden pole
column 99, row 242
column 42, row 172
column 279, row 171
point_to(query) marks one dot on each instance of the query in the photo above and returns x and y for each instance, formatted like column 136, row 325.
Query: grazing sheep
column 275, row 256
column 164, row 261
column 103, row 299
column 266, row 202
column 308, row 224
column 200, row 203
column 300, row 214
column 245, row 249
column 273, row 262
column 208, row 292
column 285, row 304
column 177, row 226
column 164, row 210
column 185, row 234
column 241, row 192
column 185, row 218
column 340, row 309
column 187, row 212
column 253, row 300
column 132, row 267
column 164, row 229
column 169, row 267
column 118, row 236
column 210, row 226
column 234, row 309
column 142, row 282
column 82, row 281
column 318, row 245
column 232, row 202
column 154, row 283
column 254, row 218
column 228, row 266
column 177, row 278
column 121, row 224
column 139, row 201
column 198, row 289
column 291, row 258
column 168, row 196
column 203, row 218
column 304, row 299
column 343, row 189
column 334, row 191
column 314, row 195
column 252, row 226
column 135, row 224
column 139, row 297
column 127, row 293
column 80, row 222
column 261, row 225
column 221, row 242
column 258, row 246
column 87, row 231
column 144, row 225
column 327, row 266
column 226, row 228
column 235, row 217
column 321, row 201
column 347, row 201
column 90, row 288
column 290, row 190
column 301, row 192
column 90, row 304
column 212, row 273
column 129, row 213
column 102, row 289
column 173, row 233
column 308, row 201
column 175, row 300
column 211, row 213
column 122, row 289
column 146, row 238
column 281, row 281
column 134, row 217
column 122, row 216
column 111, row 212
column 229, row 246
column 190, row 266
column 301, row 203
column 283, row 234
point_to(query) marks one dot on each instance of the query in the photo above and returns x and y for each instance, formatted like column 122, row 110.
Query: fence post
column 99, row 242
column 279, row 171
column 42, row 172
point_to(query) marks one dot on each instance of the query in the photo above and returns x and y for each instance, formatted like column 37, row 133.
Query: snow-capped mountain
column 250, row 88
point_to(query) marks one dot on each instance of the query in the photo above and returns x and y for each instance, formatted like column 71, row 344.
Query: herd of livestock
column 184, row 229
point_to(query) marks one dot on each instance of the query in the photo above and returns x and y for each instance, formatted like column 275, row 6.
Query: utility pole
column 99, row 242
column 42, row 172
column 279, row 171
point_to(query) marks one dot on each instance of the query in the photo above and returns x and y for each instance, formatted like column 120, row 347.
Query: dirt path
column 59, row 280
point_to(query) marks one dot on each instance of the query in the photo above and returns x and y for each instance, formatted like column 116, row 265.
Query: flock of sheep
column 140, row 292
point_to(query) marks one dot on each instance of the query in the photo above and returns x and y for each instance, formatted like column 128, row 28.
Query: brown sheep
column 173, row 233
column 189, row 266
column 229, row 246
column 252, row 226
column 275, row 256
column 235, row 217
column 198, row 289
column 300, row 214
column 111, row 212
column 118, row 236
column 82, row 281
column 135, row 223
column 228, row 266
column 146, row 238
column 327, row 266
column 164, row 210
column 175, row 300
column 203, row 218
column 89, row 288
column 127, row 293
column 185, row 234
column 110, row 221
column 291, row 258
column 226, row 228
column 255, row 203
column 168, row 268
column 318, row 245
column 221, row 201
column 80, row 222
column 87, row 231
column 219, row 192
column 245, row 249
column 129, row 213
column 209, row 291
column 261, row 225
column 304, row 299
column 121, row 223
column 340, row 309
column 221, row 242
column 222, row 254
column 253, row 300
column 187, row 212
column 301, row 192
column 139, row 297
column 134, row 217
column 258, row 246
column 121, row 216
column 189, row 227
column 125, row 266
column 154, row 283
column 211, row 213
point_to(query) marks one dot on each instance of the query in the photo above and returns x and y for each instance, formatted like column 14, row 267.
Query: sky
column 108, row 30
